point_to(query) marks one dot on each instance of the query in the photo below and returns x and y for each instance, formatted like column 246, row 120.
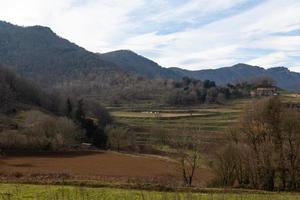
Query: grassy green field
column 30, row 192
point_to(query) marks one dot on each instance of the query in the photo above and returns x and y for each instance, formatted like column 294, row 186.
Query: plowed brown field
column 93, row 166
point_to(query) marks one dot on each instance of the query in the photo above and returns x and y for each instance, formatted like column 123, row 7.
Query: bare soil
column 104, row 166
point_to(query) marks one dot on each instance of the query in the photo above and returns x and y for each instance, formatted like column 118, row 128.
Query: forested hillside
column 34, row 119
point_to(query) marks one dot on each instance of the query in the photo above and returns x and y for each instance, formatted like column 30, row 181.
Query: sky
column 191, row 34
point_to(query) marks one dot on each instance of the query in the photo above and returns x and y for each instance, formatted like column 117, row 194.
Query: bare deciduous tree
column 188, row 156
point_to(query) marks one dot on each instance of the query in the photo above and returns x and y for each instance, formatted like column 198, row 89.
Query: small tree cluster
column 121, row 138
column 92, row 118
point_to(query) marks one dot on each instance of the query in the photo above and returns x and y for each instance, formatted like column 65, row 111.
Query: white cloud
column 280, row 43
column 189, row 11
column 295, row 68
column 270, row 60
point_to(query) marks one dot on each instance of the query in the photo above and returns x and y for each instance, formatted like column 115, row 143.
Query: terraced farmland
column 209, row 121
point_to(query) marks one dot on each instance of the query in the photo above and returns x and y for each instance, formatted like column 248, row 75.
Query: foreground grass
column 46, row 192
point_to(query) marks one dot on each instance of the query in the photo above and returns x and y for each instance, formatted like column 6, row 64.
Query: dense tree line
column 116, row 89
column 263, row 149
column 190, row 92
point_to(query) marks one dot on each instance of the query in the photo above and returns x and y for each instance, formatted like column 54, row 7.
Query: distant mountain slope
column 132, row 62
column 284, row 78
column 223, row 75
column 38, row 53
column 52, row 62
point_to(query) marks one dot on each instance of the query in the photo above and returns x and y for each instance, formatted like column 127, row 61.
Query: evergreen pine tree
column 80, row 114
column 69, row 108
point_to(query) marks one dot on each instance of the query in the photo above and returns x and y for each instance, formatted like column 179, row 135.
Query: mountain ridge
column 40, row 54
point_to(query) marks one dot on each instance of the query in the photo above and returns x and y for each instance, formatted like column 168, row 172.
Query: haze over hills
column 38, row 53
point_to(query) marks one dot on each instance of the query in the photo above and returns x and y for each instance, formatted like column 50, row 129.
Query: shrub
column 39, row 131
